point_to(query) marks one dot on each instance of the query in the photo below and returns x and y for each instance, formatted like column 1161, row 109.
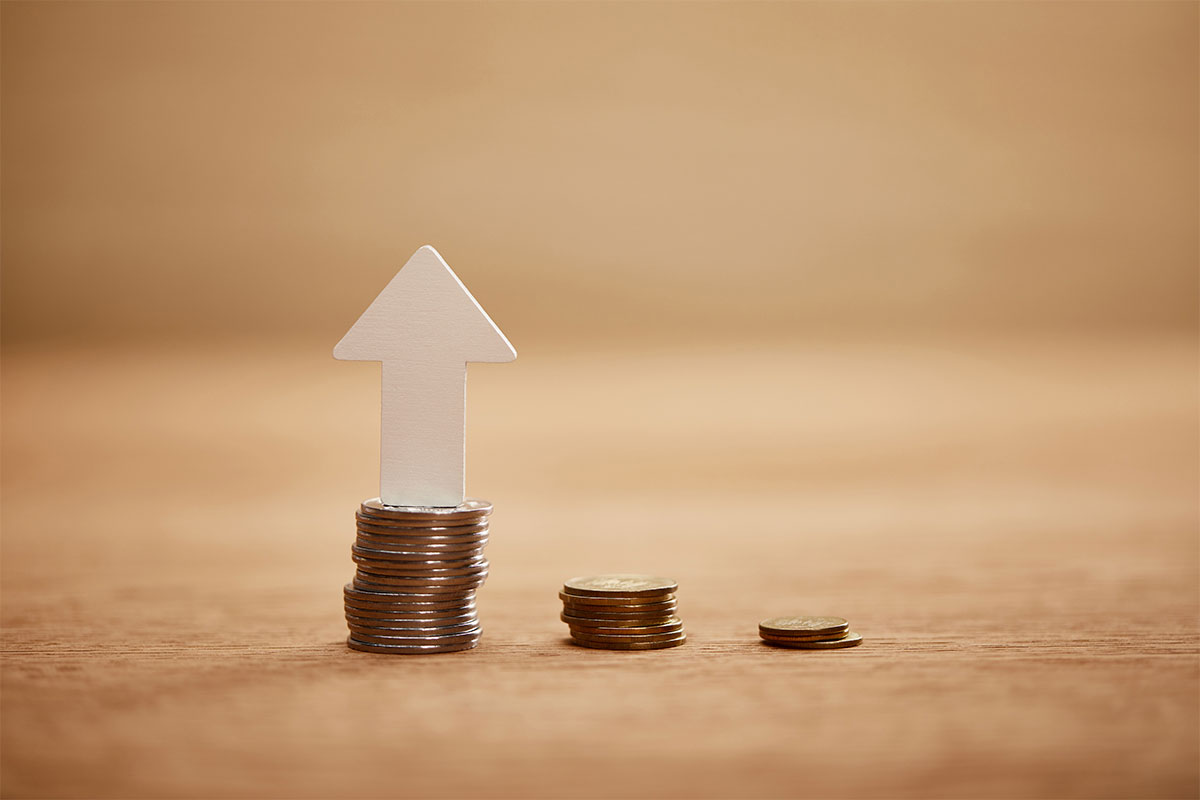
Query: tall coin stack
column 418, row 570
column 622, row 612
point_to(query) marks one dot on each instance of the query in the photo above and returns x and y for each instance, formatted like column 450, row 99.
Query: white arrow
column 424, row 326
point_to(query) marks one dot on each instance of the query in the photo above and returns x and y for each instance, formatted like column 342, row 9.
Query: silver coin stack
column 418, row 570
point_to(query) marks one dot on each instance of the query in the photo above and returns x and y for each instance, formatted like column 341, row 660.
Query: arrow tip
column 425, row 306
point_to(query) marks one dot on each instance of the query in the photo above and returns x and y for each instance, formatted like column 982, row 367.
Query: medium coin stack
column 808, row 633
column 418, row 570
column 622, row 612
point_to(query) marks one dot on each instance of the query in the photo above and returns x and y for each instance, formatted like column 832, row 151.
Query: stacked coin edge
column 623, row 612
column 808, row 633
column 417, row 573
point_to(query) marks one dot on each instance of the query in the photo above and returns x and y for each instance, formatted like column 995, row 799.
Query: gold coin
column 636, row 602
column 851, row 639
column 816, row 637
column 672, row 626
column 619, row 586
column 586, row 635
column 605, row 622
column 597, row 590
column 398, row 621
column 804, row 626
column 680, row 639
column 609, row 607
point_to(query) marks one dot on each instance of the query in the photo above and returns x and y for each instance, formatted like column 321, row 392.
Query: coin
column 592, row 636
column 423, row 582
column 391, row 596
column 399, row 568
column 400, row 619
column 619, row 586
column 449, row 638
column 609, row 622
column 673, row 625
column 411, row 515
column 634, row 645
column 622, row 608
column 424, row 603
column 410, row 556
column 401, row 611
column 635, row 603
column 364, row 632
column 431, row 562
column 850, row 639
column 392, row 649
column 369, row 526
column 804, row 626
column 429, row 550
column 820, row 637
column 446, row 591
column 423, row 539
column 468, row 508
column 447, row 624
column 417, row 572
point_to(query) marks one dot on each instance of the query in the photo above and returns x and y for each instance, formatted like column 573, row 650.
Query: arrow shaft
column 423, row 443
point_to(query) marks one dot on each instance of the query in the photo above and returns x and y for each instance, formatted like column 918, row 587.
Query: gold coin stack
column 622, row 612
column 418, row 570
column 808, row 633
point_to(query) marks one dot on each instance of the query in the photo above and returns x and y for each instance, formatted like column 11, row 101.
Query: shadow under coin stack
column 418, row 570
column 622, row 612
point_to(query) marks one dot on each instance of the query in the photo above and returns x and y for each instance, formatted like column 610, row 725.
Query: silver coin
column 445, row 592
column 433, row 558
column 402, row 615
column 447, row 638
column 449, row 617
column 393, row 597
column 445, row 608
column 468, row 508
column 392, row 649
column 416, row 555
column 366, row 631
column 398, row 568
column 409, row 563
column 394, row 582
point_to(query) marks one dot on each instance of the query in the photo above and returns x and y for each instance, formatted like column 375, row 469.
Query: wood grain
column 1011, row 525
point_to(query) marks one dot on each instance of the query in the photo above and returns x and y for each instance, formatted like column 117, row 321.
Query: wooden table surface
column 1011, row 525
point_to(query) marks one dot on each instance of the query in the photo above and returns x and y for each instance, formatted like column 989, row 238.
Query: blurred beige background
column 882, row 310
column 595, row 170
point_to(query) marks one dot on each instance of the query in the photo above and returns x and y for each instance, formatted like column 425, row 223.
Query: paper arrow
column 424, row 326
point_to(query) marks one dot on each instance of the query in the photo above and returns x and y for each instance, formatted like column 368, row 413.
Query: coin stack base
column 622, row 612
column 418, row 570
column 808, row 633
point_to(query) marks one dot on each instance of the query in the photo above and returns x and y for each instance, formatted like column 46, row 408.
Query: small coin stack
column 622, row 612
column 418, row 570
column 808, row 633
